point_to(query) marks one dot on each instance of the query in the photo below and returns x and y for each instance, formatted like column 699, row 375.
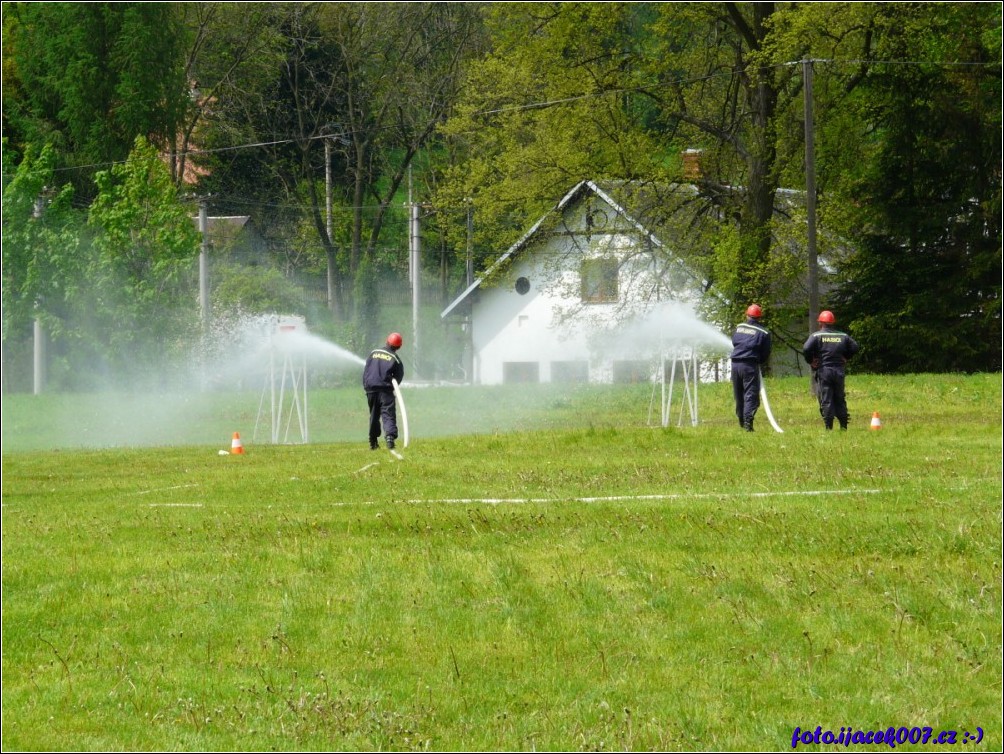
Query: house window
column 570, row 371
column 599, row 281
column 520, row 372
column 681, row 365
column 632, row 371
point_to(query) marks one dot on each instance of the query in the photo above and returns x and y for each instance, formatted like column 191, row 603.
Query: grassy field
column 543, row 571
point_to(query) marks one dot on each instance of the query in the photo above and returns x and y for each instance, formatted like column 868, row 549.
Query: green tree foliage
column 545, row 108
column 728, row 94
column 253, row 290
column 372, row 80
column 137, row 298
column 91, row 77
column 40, row 240
column 618, row 90
column 231, row 51
column 400, row 75
column 922, row 293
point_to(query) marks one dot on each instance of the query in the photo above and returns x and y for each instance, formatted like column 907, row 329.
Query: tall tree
column 231, row 50
column 738, row 122
column 94, row 76
column 40, row 245
column 137, row 297
column 371, row 80
column 399, row 65
column 923, row 290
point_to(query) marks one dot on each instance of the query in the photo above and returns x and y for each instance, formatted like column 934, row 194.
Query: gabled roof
column 225, row 230
column 233, row 222
column 606, row 193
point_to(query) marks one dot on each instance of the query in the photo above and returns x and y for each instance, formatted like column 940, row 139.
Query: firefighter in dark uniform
column 827, row 351
column 751, row 344
column 383, row 366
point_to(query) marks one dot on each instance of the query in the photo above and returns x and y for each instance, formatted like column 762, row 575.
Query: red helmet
column 826, row 317
column 394, row 340
column 754, row 310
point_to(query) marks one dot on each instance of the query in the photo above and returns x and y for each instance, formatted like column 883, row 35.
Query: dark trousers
column 832, row 398
column 382, row 409
column 746, row 389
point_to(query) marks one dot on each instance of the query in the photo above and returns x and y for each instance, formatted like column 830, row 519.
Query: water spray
column 677, row 336
column 766, row 406
column 288, row 344
column 404, row 412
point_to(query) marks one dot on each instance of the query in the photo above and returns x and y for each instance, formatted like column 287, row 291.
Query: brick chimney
column 691, row 164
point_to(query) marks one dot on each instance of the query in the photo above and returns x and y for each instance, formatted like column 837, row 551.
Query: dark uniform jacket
column 751, row 343
column 829, row 349
column 382, row 366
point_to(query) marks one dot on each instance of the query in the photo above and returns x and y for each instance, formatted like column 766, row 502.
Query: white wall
column 509, row 327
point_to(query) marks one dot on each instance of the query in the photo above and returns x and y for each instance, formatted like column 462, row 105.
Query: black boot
column 748, row 423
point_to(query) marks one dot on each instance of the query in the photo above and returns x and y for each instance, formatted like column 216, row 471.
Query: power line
column 544, row 104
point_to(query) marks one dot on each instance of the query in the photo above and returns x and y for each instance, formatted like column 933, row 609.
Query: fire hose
column 766, row 406
column 404, row 413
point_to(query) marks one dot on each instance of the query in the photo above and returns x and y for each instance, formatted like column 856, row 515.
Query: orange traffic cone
column 876, row 422
column 236, row 447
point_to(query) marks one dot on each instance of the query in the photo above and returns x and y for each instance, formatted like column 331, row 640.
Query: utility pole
column 470, row 244
column 39, row 339
column 329, row 228
column 204, row 265
column 38, row 356
column 204, row 288
column 467, row 327
column 810, row 194
column 810, row 204
column 414, row 269
column 327, row 187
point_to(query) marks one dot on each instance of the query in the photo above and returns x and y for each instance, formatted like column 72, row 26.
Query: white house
column 590, row 294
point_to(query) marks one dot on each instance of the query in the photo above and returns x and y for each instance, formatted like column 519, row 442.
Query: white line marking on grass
column 621, row 498
column 367, row 466
column 176, row 505
column 161, row 489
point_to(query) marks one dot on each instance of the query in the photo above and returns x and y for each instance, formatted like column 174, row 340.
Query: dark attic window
column 599, row 281
column 522, row 286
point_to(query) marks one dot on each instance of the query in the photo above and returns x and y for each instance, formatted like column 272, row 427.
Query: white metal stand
column 686, row 359
column 291, row 397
